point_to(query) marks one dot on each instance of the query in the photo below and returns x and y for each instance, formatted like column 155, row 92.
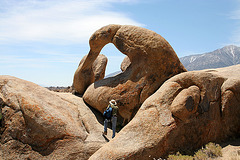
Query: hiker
column 110, row 114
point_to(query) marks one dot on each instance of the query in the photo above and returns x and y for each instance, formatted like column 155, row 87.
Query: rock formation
column 41, row 124
column 186, row 112
column 189, row 109
column 125, row 63
column 86, row 75
column 153, row 61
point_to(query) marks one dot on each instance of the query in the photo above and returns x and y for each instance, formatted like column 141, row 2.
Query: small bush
column 200, row 155
column 211, row 150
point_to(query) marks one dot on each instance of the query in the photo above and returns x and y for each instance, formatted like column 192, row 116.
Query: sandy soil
column 231, row 150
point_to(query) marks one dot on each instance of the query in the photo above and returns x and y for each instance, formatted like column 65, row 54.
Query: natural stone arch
column 153, row 61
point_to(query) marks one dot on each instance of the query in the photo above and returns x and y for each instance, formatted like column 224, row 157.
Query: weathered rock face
column 125, row 63
column 188, row 111
column 153, row 61
column 84, row 76
column 41, row 124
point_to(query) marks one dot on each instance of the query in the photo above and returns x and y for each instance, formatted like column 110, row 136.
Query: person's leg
column 114, row 123
column 105, row 126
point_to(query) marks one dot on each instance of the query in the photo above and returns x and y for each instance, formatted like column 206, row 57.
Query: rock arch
column 153, row 61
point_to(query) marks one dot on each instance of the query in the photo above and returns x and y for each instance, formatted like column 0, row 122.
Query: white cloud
column 33, row 32
column 57, row 21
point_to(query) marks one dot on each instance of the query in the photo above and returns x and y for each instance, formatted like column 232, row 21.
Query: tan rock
column 41, row 124
column 84, row 76
column 152, row 62
column 185, row 103
column 186, row 112
column 125, row 63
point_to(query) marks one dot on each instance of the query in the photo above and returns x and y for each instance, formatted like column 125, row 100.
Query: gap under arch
column 115, row 58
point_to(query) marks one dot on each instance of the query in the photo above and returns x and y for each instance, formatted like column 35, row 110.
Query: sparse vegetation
column 211, row 150
column 179, row 156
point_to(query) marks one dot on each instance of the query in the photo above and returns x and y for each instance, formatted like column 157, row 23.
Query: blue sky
column 43, row 41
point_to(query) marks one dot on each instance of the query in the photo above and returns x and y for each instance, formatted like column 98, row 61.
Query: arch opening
column 115, row 58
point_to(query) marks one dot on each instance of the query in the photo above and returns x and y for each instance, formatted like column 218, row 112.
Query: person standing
column 111, row 114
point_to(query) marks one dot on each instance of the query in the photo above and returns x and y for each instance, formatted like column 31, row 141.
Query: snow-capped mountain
column 226, row 56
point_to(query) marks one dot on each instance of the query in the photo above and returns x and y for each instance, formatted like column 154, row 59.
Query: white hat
column 113, row 102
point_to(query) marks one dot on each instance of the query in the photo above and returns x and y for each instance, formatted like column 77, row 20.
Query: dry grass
column 179, row 156
column 210, row 151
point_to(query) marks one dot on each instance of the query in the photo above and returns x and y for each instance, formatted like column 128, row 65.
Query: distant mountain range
column 226, row 56
column 112, row 74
